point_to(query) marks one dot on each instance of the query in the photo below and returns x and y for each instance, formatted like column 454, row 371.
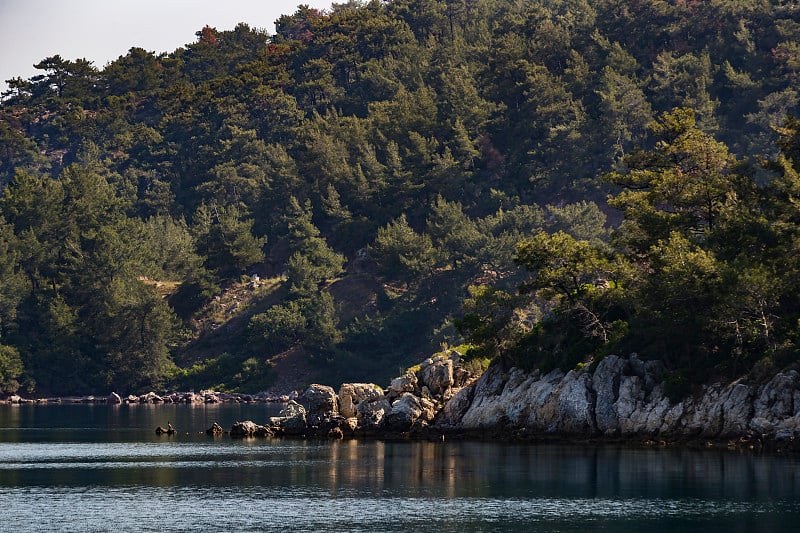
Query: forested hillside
column 544, row 181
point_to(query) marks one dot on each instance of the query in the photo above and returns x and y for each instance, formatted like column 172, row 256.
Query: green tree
column 134, row 329
column 454, row 233
column 563, row 268
column 680, row 301
column 582, row 220
column 308, row 321
column 66, row 78
column 401, row 253
column 626, row 110
column 684, row 81
column 682, row 184
column 11, row 369
column 279, row 327
column 14, row 285
column 226, row 240
column 137, row 71
column 312, row 261
column 487, row 321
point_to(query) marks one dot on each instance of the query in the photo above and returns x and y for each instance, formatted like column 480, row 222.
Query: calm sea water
column 102, row 468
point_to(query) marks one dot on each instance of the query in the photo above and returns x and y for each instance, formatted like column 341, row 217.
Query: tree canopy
column 338, row 187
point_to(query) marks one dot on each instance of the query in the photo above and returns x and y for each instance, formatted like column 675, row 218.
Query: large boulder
column 114, row 398
column 333, row 427
column 351, row 395
column 737, row 410
column 776, row 399
column 210, row 397
column 402, row 384
column 150, row 397
column 574, row 412
column 406, row 410
column 295, row 425
column 248, row 428
column 540, row 401
column 370, row 414
column 455, row 409
column 292, row 409
column 703, row 416
column 321, row 400
column 437, row 375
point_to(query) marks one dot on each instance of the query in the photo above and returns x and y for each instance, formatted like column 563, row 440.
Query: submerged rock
column 169, row 430
column 248, row 428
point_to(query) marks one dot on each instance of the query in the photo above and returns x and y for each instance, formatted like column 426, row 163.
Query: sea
column 97, row 467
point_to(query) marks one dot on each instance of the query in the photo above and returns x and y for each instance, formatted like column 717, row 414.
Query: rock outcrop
column 351, row 395
column 623, row 397
column 407, row 407
column 620, row 398
column 114, row 398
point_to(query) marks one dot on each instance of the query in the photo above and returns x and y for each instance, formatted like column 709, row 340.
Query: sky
column 103, row 30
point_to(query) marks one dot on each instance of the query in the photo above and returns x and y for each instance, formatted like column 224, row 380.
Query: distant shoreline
column 151, row 398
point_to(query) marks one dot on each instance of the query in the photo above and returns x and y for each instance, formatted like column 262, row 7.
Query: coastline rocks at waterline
column 408, row 406
column 248, row 428
column 623, row 398
column 351, row 395
column 203, row 397
column 114, row 398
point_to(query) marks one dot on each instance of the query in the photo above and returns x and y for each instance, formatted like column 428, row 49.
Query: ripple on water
column 308, row 509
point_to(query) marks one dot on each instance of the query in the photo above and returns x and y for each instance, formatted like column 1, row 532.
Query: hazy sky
column 103, row 30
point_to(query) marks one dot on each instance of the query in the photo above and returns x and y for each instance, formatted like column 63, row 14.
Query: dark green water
column 102, row 468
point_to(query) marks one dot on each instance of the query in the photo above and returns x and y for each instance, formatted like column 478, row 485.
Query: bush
column 676, row 387
column 10, row 369
column 279, row 327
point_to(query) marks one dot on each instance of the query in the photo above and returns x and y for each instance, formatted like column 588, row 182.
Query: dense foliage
column 380, row 178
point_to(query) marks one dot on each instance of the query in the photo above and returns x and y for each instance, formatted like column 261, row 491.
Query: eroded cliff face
column 623, row 397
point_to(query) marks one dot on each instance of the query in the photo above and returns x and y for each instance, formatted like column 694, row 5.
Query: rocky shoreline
column 194, row 398
column 621, row 400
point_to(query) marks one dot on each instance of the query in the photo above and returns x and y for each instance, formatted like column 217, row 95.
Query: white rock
column 352, row 394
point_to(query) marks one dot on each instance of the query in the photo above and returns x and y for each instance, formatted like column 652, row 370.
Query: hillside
column 545, row 182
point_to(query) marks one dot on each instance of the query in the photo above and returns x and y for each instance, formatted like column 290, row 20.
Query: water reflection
column 88, row 459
